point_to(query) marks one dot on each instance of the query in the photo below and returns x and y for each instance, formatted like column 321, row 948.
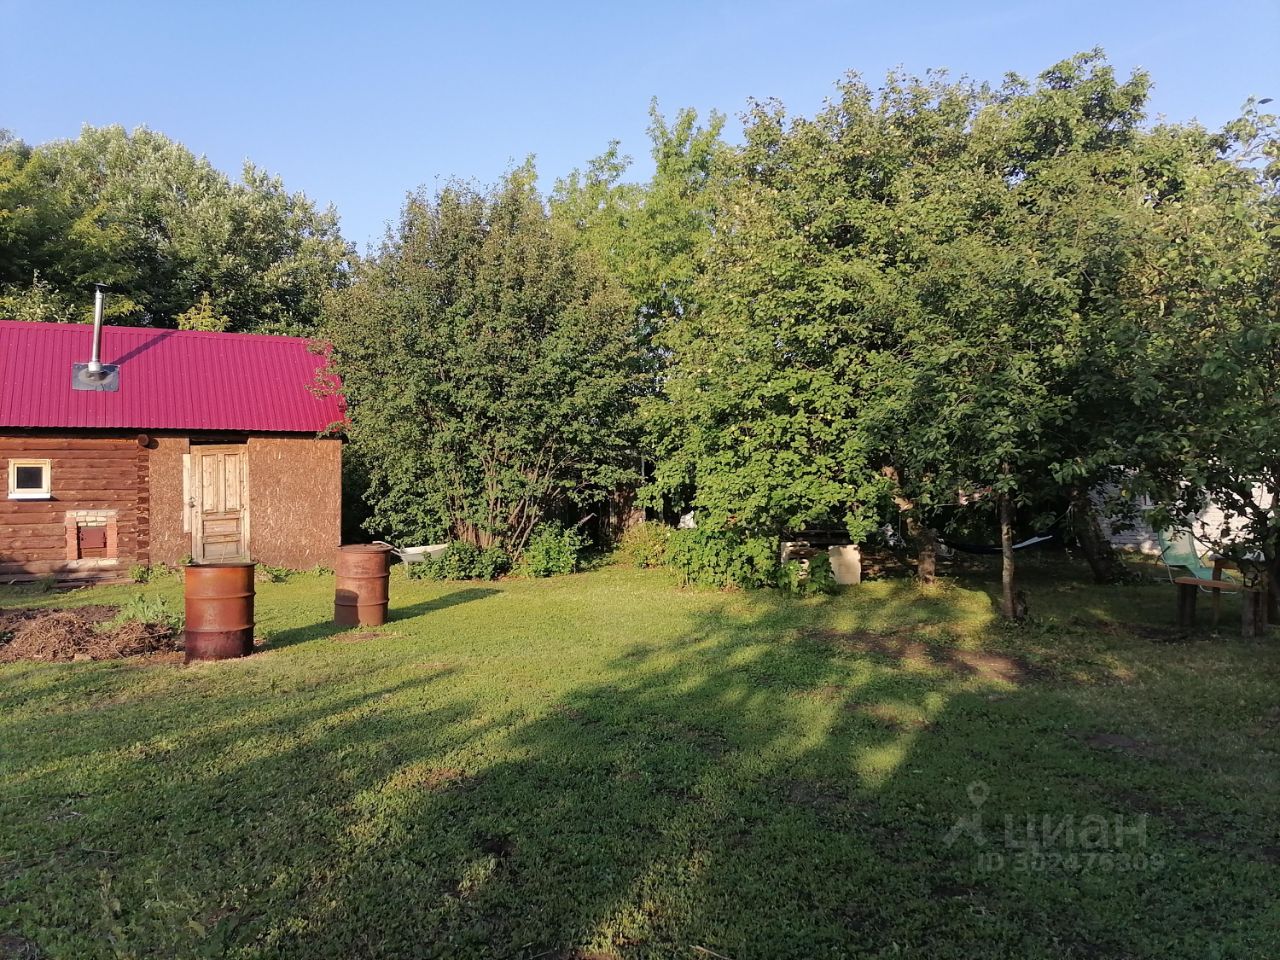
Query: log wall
column 95, row 480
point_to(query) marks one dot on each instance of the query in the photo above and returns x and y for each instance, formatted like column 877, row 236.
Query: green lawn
column 604, row 765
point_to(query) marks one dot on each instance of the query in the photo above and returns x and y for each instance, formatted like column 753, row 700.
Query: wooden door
column 219, row 503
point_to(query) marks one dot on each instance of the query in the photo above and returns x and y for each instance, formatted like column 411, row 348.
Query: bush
column 143, row 609
column 274, row 574
column 419, row 571
column 139, row 573
column 645, row 544
column 792, row 577
column 723, row 558
column 462, row 561
column 552, row 550
column 822, row 579
column 805, row 580
column 492, row 563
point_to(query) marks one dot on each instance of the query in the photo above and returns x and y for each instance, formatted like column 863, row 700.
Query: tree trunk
column 923, row 536
column 1008, row 600
column 926, row 553
column 1272, row 586
column 1103, row 560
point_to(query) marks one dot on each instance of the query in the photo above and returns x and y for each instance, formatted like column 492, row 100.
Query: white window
column 30, row 480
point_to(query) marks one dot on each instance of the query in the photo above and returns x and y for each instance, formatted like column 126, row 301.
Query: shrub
column 275, row 574
column 420, row 571
column 492, row 563
column 144, row 609
column 792, row 577
column 645, row 544
column 723, row 558
column 822, row 579
column 462, row 561
column 552, row 550
column 139, row 573
column 807, row 579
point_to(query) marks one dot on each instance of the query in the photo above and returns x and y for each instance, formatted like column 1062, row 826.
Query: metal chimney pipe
column 99, row 304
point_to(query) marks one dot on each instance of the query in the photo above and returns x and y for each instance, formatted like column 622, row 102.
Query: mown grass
column 603, row 765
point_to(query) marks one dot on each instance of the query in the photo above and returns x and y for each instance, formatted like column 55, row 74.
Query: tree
column 37, row 303
column 1206, row 322
column 160, row 226
column 905, row 306
column 202, row 316
column 490, row 367
column 649, row 234
column 1011, row 381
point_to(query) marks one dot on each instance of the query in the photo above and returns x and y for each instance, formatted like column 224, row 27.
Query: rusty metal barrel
column 219, row 604
column 361, row 594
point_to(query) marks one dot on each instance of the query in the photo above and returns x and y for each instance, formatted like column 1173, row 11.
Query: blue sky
column 355, row 104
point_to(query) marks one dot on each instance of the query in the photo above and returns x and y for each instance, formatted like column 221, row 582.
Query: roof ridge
column 71, row 327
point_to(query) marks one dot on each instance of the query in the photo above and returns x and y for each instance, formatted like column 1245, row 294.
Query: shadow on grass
column 778, row 780
column 395, row 614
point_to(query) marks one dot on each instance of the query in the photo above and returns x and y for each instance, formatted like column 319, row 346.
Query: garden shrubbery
column 804, row 580
column 723, row 558
column 462, row 561
column 552, row 550
column 645, row 544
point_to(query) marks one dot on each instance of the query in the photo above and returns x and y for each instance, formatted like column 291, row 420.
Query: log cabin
column 184, row 446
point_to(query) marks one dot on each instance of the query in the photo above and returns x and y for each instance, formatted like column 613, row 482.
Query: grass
column 603, row 765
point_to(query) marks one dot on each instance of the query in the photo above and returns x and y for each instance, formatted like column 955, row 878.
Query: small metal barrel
column 361, row 591
column 219, row 604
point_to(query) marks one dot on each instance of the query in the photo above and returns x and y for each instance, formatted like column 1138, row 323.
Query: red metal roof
column 169, row 380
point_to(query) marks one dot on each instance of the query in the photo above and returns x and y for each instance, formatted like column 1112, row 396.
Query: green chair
column 1183, row 550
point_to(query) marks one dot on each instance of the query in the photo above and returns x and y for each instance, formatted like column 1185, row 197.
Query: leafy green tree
column 650, row 234
column 1009, row 385
column 37, row 303
column 141, row 213
column 906, row 303
column 490, row 367
column 1206, row 322
column 203, row 316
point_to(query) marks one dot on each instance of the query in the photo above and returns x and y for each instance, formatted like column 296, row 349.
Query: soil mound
column 82, row 633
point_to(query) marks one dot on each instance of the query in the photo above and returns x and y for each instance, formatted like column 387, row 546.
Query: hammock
column 984, row 548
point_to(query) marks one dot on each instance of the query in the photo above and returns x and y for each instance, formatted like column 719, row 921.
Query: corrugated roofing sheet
column 169, row 380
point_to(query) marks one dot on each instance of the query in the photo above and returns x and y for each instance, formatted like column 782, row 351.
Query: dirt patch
column 501, row 846
column 710, row 742
column 884, row 716
column 436, row 777
column 60, row 636
column 362, row 636
column 815, row 795
column 429, row 778
column 902, row 648
column 14, row 947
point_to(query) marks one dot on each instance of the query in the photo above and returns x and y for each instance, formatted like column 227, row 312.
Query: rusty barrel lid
column 361, row 560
